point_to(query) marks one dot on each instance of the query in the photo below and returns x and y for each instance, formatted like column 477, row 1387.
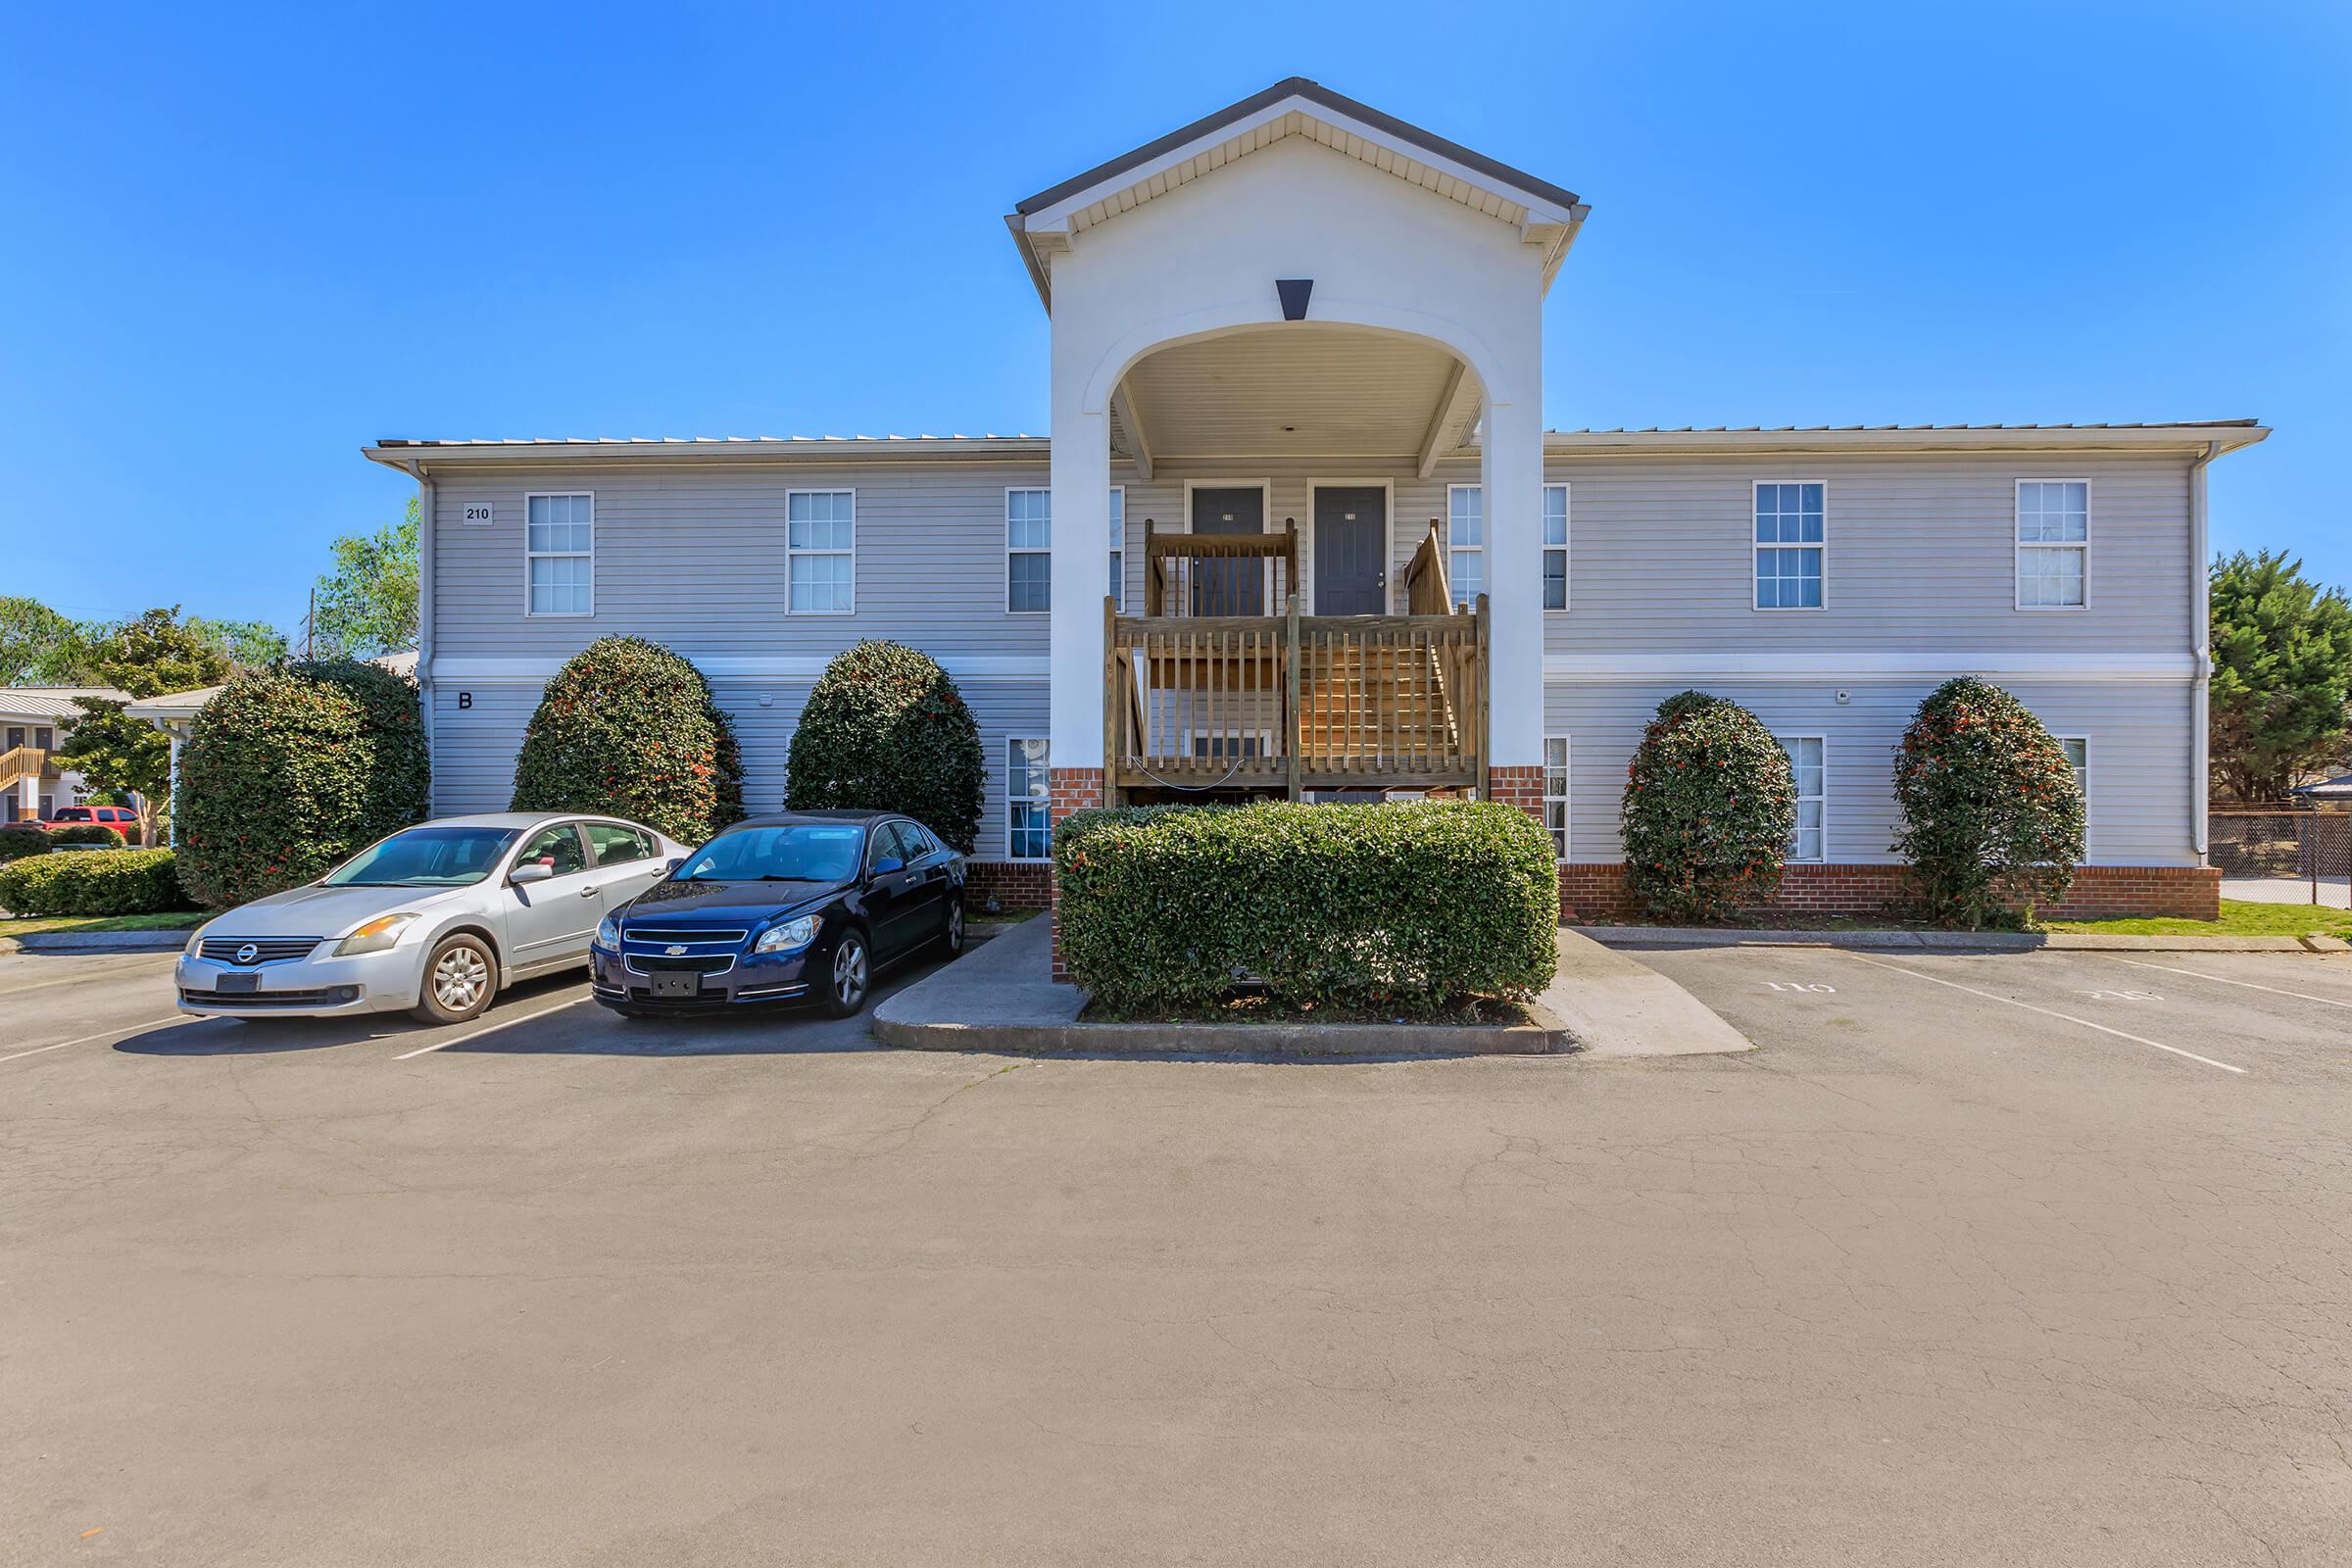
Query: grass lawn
column 2239, row 919
column 177, row 920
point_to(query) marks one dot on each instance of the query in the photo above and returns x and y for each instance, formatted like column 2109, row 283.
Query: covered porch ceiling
column 1299, row 390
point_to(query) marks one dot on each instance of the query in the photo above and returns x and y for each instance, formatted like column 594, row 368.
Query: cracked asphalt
column 1967, row 1264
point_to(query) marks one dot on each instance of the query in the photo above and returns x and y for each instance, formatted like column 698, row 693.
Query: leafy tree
column 368, row 604
column 247, row 644
column 146, row 655
column 38, row 646
column 1709, row 804
column 886, row 730
column 1991, row 812
column 2282, row 674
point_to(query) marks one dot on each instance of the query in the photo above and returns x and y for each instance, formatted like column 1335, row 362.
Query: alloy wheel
column 849, row 972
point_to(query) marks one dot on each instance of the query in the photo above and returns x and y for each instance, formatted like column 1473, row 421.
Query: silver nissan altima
column 436, row 918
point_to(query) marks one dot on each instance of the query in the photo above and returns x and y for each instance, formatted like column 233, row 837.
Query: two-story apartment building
column 1298, row 527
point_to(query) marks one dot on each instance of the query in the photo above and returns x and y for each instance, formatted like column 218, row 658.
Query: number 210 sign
column 477, row 513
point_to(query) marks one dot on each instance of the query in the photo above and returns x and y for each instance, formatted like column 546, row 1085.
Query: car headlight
column 376, row 936
column 608, row 933
column 195, row 945
column 787, row 935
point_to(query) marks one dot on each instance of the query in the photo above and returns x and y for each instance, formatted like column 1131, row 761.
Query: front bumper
column 318, row 985
column 747, row 979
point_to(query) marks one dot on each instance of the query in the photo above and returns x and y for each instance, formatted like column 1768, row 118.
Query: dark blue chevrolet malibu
column 806, row 906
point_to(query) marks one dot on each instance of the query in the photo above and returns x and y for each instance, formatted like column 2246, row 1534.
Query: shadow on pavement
column 249, row 1037
column 589, row 1030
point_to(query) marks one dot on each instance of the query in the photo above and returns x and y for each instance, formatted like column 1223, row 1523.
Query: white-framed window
column 1555, row 793
column 1028, row 800
column 820, row 552
column 2053, row 544
column 1465, row 542
column 1791, row 542
column 1807, row 758
column 1028, row 552
column 1555, row 547
column 2078, row 758
column 559, row 554
column 1118, row 546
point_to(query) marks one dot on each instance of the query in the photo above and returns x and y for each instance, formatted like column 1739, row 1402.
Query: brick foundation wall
column 1014, row 884
column 1596, row 892
column 1075, row 789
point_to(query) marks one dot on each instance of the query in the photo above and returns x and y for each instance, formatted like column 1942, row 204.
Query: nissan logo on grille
column 248, row 952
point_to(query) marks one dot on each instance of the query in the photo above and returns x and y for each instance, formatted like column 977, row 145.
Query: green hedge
column 88, row 833
column 293, row 768
column 886, row 730
column 629, row 728
column 93, row 882
column 17, row 841
column 1709, row 806
column 1405, row 906
column 1991, row 818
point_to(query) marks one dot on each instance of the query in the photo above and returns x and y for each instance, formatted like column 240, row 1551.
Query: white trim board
column 1864, row 668
column 538, row 672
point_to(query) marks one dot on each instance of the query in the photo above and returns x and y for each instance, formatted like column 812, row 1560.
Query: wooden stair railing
column 23, row 762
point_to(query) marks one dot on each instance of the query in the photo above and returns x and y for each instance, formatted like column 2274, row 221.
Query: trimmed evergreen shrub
column 1991, row 815
column 291, row 770
column 86, row 833
column 1401, row 908
column 93, row 882
column 16, row 841
column 630, row 729
column 1709, row 806
column 886, row 730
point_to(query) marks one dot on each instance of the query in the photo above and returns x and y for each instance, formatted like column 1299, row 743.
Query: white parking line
column 2137, row 1039
column 2199, row 974
column 502, row 1024
column 123, row 1030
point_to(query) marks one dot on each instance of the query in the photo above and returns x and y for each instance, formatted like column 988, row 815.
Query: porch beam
column 1434, row 437
column 1131, row 417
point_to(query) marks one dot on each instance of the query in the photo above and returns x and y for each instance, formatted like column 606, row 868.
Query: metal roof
column 1316, row 93
column 53, row 702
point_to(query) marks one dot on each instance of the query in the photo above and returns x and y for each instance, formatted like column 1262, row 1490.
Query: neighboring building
column 35, row 721
column 2325, row 792
column 1303, row 321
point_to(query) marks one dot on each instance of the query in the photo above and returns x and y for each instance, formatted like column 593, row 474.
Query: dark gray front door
column 1229, row 587
column 1351, row 545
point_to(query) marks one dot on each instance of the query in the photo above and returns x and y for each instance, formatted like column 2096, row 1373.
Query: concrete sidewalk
column 1675, row 936
column 1000, row 998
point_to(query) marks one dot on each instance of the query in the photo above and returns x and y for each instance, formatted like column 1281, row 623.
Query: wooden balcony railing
column 1220, row 573
column 23, row 763
column 1295, row 703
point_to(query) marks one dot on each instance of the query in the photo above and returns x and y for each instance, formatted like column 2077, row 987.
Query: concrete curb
column 1000, row 998
column 97, row 942
column 1638, row 935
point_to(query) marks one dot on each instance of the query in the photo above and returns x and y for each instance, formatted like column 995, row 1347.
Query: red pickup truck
column 121, row 818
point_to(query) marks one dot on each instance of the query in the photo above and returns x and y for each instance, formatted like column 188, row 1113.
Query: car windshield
column 796, row 851
column 424, row 858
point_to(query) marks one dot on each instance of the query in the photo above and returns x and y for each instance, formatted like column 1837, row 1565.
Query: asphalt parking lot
column 2015, row 1259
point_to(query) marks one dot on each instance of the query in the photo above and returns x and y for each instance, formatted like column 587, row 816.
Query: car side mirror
column 532, row 872
column 675, row 861
column 889, row 863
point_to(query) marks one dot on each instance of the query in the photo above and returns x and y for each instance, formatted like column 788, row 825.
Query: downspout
column 2200, row 640
column 426, row 530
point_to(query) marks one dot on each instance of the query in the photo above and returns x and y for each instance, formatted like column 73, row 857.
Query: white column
column 1081, row 574
column 171, row 777
column 28, row 791
column 1511, row 472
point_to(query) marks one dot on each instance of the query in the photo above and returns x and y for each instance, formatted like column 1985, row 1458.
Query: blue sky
column 239, row 244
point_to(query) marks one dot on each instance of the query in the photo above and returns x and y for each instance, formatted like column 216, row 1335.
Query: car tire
column 461, row 977
column 951, row 939
column 849, row 975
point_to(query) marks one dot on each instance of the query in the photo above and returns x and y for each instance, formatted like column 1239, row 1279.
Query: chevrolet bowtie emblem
column 674, row 952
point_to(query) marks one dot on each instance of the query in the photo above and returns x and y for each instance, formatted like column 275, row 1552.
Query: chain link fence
column 2282, row 856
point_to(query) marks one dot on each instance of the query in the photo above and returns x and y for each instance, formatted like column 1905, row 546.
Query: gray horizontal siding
column 2139, row 788
column 695, row 557
column 474, row 747
column 1919, row 548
